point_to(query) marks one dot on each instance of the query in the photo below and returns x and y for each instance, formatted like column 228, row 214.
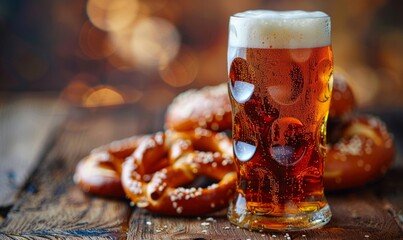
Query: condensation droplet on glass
column 244, row 151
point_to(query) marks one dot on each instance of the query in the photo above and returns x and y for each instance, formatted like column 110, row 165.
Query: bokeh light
column 102, row 96
column 93, row 42
column 365, row 84
column 123, row 57
column 182, row 70
column 180, row 45
column 154, row 42
column 78, row 86
column 112, row 15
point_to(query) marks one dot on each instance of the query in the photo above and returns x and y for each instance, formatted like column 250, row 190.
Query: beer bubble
column 244, row 151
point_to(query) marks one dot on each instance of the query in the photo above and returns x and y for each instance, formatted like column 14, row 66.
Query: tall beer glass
column 280, row 81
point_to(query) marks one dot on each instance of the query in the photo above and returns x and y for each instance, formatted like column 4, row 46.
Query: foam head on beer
column 279, row 29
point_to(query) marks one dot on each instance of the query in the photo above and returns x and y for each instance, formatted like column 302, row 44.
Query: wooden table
column 42, row 141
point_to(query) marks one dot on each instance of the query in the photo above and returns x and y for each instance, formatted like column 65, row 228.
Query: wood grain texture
column 25, row 126
column 52, row 207
column 390, row 189
column 356, row 215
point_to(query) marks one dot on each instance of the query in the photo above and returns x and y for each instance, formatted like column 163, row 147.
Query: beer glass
column 280, row 81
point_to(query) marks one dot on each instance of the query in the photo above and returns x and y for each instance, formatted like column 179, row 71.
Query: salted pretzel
column 363, row 153
column 99, row 172
column 207, row 108
column 360, row 149
column 342, row 105
column 158, row 172
column 343, row 101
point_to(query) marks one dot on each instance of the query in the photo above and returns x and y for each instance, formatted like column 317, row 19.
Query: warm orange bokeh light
column 182, row 70
column 154, row 42
column 79, row 85
column 112, row 15
column 94, row 43
column 102, row 96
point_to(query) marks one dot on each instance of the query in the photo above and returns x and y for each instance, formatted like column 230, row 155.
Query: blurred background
column 95, row 53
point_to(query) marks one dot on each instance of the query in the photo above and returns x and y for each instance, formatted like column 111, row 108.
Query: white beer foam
column 279, row 29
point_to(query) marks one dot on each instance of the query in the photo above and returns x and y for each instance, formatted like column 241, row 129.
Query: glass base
column 240, row 216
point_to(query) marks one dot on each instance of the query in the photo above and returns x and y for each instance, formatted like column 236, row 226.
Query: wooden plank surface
column 52, row 207
column 25, row 126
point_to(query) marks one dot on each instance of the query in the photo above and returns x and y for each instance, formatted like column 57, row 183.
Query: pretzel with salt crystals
column 207, row 108
column 342, row 101
column 364, row 153
column 99, row 172
column 360, row 149
column 156, row 175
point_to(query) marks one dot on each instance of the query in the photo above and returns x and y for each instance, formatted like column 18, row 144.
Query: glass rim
column 236, row 16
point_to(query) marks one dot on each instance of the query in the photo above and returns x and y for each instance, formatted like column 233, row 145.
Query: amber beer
column 280, row 80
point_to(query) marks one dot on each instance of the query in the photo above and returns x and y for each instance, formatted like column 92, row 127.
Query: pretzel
column 99, row 172
column 363, row 154
column 359, row 149
column 342, row 105
column 342, row 102
column 156, row 175
column 207, row 108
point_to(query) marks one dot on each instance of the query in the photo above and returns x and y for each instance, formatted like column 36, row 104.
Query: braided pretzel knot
column 152, row 177
column 99, row 172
